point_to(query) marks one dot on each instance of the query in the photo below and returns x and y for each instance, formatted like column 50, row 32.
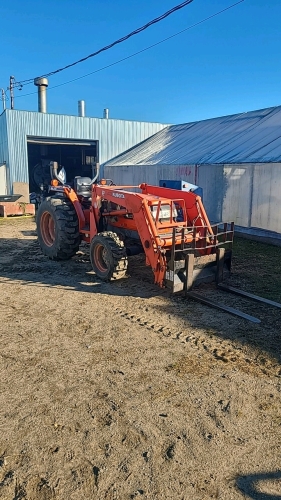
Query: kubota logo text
column 118, row 195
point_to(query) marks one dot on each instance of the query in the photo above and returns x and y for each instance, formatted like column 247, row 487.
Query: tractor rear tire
column 108, row 256
column 58, row 228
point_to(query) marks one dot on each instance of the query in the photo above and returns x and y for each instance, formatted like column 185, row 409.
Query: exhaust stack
column 81, row 108
column 106, row 113
column 42, row 84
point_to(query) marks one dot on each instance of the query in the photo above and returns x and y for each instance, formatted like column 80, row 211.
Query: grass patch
column 257, row 268
column 11, row 218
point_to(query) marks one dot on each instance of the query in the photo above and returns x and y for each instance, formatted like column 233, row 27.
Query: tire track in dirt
column 220, row 350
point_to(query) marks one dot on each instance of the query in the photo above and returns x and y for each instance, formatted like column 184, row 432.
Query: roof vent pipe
column 81, row 108
column 106, row 113
column 42, row 84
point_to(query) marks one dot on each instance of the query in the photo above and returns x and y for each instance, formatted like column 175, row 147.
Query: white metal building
column 235, row 159
column 30, row 139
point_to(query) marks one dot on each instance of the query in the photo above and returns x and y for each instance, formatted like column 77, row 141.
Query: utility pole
column 3, row 98
column 11, row 89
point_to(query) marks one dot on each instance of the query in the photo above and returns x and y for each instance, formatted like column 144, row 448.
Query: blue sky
column 226, row 65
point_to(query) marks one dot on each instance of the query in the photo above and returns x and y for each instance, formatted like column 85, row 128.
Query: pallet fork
column 186, row 273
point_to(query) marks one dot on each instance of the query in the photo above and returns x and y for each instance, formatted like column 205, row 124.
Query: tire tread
column 67, row 240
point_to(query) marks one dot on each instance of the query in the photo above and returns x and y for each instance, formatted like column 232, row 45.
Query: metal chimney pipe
column 106, row 113
column 42, row 84
column 81, row 108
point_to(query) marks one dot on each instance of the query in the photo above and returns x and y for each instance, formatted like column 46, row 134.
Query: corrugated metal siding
column 151, row 174
column 236, row 193
column 248, row 194
column 266, row 199
column 211, row 180
column 4, row 152
column 114, row 136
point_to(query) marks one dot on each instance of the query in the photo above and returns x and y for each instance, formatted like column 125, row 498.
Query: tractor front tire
column 58, row 228
column 108, row 256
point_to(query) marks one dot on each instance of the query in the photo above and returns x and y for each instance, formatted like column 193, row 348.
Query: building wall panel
column 211, row 179
column 266, row 201
column 114, row 136
column 4, row 151
column 151, row 174
column 248, row 194
column 237, row 190
column 3, row 179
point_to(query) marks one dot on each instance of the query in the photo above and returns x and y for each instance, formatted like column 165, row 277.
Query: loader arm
column 144, row 208
column 136, row 204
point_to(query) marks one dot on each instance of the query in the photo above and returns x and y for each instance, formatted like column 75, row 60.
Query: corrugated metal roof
column 251, row 137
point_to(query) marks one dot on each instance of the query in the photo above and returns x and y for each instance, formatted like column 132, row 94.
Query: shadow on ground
column 252, row 485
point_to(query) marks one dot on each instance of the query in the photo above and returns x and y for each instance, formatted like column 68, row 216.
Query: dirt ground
column 118, row 391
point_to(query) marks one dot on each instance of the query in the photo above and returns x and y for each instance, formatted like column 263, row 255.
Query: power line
column 120, row 40
column 140, row 51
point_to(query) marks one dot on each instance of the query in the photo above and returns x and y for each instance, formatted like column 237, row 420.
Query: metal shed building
column 235, row 159
column 27, row 138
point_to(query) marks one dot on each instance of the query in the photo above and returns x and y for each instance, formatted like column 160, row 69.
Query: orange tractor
column 171, row 227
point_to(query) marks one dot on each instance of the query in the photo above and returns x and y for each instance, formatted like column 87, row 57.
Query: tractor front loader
column 170, row 226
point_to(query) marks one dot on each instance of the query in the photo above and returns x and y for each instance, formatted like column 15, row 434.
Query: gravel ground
column 119, row 391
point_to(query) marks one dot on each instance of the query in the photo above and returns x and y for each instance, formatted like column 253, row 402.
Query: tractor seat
column 83, row 186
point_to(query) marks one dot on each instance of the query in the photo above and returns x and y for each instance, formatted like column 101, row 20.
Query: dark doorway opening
column 77, row 157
